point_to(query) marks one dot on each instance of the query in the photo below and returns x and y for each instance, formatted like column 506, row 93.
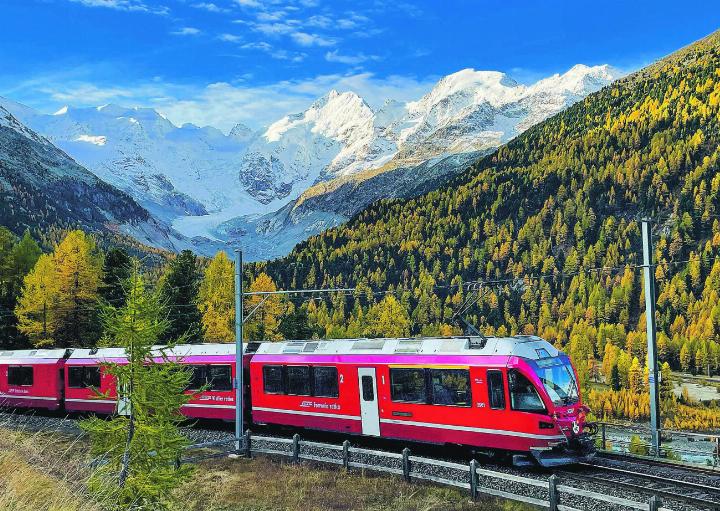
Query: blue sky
column 220, row 62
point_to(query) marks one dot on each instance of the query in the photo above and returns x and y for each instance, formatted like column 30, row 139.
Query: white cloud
column 186, row 31
column 319, row 20
column 223, row 104
column 125, row 5
column 351, row 21
column 276, row 53
column 270, row 16
column 258, row 45
column 219, row 104
column 88, row 94
column 288, row 55
column 275, row 28
column 248, row 3
column 210, row 7
column 230, row 38
column 305, row 39
column 335, row 56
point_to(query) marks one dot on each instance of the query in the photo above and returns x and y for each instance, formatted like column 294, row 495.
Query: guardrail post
column 346, row 454
column 654, row 503
column 406, row 464
column 296, row 447
column 248, row 451
column 553, row 495
column 717, row 451
column 473, row 480
column 604, row 440
column 177, row 463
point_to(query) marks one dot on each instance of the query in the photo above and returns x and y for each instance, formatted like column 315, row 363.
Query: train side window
column 450, row 387
column 76, row 376
column 198, row 379
column 20, row 376
column 524, row 396
column 496, row 390
column 298, row 380
column 91, row 378
column 408, row 385
column 220, row 377
column 80, row 377
column 368, row 393
column 325, row 381
column 273, row 380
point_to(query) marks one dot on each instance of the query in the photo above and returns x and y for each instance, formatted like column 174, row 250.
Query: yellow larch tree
column 264, row 323
column 216, row 300
column 388, row 318
column 78, row 267
column 37, row 307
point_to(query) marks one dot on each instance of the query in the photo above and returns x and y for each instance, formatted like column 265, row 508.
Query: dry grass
column 265, row 485
column 42, row 471
column 48, row 471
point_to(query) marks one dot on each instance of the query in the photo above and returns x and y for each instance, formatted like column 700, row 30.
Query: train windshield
column 559, row 380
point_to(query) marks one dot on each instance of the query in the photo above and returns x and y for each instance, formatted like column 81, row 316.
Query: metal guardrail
column 478, row 481
column 711, row 454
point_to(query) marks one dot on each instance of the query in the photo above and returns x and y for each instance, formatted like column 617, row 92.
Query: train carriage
column 88, row 386
column 90, row 389
column 32, row 378
column 515, row 394
column 211, row 383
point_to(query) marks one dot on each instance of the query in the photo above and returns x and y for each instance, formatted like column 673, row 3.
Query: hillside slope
column 41, row 187
column 560, row 199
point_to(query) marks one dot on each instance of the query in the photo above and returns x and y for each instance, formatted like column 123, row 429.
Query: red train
column 516, row 395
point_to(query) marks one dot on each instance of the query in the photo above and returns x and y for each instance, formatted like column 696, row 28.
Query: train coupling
column 579, row 448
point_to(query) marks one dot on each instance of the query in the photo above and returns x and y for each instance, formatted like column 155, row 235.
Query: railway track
column 610, row 457
column 666, row 481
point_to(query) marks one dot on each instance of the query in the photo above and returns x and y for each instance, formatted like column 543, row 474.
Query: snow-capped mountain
column 270, row 189
column 407, row 149
column 42, row 187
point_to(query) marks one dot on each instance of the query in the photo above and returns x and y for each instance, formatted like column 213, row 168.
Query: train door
column 61, row 386
column 369, row 401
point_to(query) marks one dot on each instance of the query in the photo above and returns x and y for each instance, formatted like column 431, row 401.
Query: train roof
column 53, row 354
column 181, row 350
column 526, row 346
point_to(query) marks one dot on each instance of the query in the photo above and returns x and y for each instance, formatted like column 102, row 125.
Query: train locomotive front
column 547, row 387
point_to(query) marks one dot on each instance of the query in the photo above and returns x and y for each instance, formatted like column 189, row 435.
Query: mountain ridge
column 206, row 183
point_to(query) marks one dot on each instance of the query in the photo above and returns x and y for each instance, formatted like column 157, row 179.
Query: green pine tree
column 615, row 377
column 179, row 291
column 17, row 264
column 296, row 324
column 138, row 449
column 117, row 268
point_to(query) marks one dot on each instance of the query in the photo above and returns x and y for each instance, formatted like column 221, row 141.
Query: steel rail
column 679, row 482
column 643, row 487
column 645, row 460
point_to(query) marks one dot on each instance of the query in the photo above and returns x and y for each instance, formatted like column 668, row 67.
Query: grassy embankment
column 48, row 471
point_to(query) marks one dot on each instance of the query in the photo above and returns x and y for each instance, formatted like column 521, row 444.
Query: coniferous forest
column 541, row 237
